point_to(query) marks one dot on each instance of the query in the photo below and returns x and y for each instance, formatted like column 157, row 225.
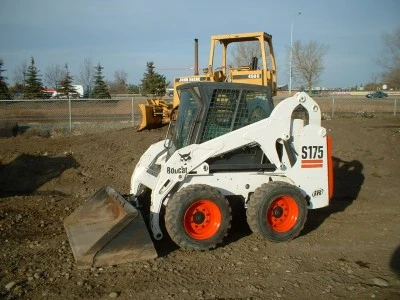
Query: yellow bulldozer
column 260, row 70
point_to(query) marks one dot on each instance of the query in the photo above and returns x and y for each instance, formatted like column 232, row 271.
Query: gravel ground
column 350, row 249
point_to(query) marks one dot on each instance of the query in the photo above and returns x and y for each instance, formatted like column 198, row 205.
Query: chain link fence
column 81, row 116
column 356, row 106
column 72, row 116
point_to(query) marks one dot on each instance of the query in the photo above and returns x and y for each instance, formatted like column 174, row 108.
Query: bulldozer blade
column 149, row 118
column 108, row 230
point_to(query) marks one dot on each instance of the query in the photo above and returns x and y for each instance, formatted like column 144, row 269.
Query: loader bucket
column 108, row 230
column 149, row 118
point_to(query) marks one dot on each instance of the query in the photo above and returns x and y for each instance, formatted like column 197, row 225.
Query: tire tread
column 256, row 202
column 174, row 211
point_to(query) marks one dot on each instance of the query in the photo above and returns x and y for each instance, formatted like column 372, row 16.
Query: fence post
column 333, row 107
column 395, row 106
column 70, row 114
column 133, row 114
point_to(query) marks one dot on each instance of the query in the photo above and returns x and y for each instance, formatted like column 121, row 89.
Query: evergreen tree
column 32, row 85
column 65, row 86
column 100, row 89
column 153, row 82
column 4, row 91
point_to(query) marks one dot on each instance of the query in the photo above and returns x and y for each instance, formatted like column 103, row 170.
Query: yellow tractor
column 260, row 70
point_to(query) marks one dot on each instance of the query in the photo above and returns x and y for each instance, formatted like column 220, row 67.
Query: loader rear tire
column 198, row 217
column 277, row 211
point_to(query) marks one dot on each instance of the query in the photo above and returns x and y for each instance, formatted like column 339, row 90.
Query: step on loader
column 228, row 140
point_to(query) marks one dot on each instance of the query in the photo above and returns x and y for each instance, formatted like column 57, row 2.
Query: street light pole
column 291, row 50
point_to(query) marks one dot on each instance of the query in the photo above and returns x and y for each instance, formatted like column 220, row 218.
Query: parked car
column 377, row 94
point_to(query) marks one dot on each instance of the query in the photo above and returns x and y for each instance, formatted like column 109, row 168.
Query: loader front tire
column 277, row 211
column 198, row 217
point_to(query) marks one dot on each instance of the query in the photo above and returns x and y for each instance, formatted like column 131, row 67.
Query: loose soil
column 350, row 249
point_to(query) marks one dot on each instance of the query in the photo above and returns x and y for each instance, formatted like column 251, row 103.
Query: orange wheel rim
column 282, row 214
column 202, row 219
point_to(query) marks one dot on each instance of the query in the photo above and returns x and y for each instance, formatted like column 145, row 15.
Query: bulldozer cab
column 255, row 64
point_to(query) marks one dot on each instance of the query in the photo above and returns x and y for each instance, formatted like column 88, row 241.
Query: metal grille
column 220, row 113
column 230, row 110
column 253, row 107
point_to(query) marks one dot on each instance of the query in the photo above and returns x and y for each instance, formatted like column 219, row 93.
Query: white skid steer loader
column 228, row 140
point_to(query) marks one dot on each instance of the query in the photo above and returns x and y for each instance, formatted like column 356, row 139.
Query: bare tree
column 119, row 85
column 243, row 53
column 53, row 75
column 373, row 83
column 390, row 58
column 19, row 74
column 86, row 75
column 308, row 62
column 121, row 76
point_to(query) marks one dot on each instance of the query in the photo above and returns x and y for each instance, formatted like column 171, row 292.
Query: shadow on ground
column 348, row 179
column 395, row 261
column 27, row 173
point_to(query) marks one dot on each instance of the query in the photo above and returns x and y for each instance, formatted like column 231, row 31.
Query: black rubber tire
column 262, row 202
column 178, row 210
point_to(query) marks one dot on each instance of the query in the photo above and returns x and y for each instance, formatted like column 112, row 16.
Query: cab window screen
column 230, row 110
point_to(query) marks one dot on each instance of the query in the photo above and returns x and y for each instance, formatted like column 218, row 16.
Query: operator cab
column 208, row 110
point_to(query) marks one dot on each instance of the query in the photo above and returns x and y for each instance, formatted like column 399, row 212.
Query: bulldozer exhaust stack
column 196, row 57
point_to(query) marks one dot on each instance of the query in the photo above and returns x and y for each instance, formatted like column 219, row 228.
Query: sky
column 122, row 35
